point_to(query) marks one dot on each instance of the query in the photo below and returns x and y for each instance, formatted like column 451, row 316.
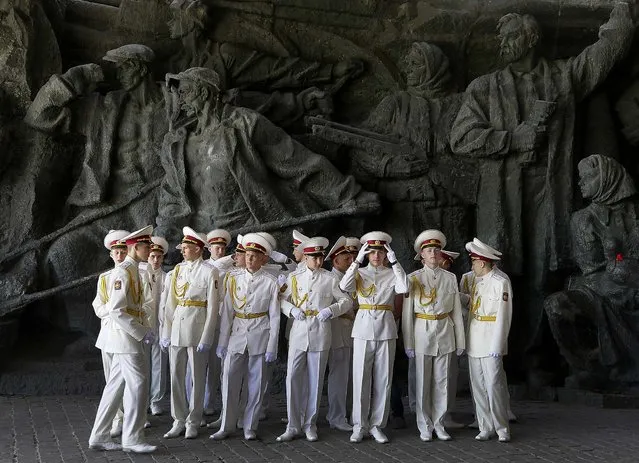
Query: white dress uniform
column 249, row 328
column 214, row 366
column 433, row 327
column 191, row 313
column 488, row 327
column 128, row 378
column 340, row 354
column 374, row 340
column 159, row 359
column 309, row 340
column 101, row 309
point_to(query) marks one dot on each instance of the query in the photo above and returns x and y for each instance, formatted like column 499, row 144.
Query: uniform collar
column 432, row 271
column 251, row 275
column 337, row 272
column 130, row 260
column 192, row 263
column 376, row 269
column 487, row 276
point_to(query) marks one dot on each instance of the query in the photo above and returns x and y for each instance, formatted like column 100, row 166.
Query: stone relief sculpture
column 520, row 122
column 230, row 167
column 595, row 321
column 259, row 81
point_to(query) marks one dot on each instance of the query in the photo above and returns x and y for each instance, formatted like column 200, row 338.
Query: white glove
column 278, row 257
column 281, row 280
column 362, row 253
column 460, row 352
column 201, row 347
column 495, row 355
column 270, row 357
column 325, row 314
column 410, row 353
column 297, row 314
column 165, row 343
column 392, row 258
column 221, row 351
column 149, row 337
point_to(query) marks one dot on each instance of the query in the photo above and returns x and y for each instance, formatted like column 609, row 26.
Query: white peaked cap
column 376, row 238
column 257, row 242
column 315, row 245
column 218, row 236
column 114, row 237
column 193, row 237
column 486, row 247
column 429, row 238
column 159, row 244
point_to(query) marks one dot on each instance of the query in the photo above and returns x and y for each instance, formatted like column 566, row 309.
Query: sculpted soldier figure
column 520, row 121
column 260, row 81
column 124, row 129
column 231, row 167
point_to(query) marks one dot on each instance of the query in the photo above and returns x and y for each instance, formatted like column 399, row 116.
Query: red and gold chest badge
column 118, row 284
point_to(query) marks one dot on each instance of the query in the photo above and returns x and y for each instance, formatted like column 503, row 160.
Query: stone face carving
column 520, row 122
column 230, row 167
column 261, row 81
column 595, row 320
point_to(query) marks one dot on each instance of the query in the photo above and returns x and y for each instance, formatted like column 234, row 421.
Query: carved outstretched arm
column 591, row 67
column 49, row 111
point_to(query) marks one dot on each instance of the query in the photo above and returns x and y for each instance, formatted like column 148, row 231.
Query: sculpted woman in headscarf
column 595, row 321
column 420, row 116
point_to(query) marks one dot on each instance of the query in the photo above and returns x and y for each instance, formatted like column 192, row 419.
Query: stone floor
column 56, row 429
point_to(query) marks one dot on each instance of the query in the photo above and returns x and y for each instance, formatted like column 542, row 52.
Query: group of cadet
column 218, row 319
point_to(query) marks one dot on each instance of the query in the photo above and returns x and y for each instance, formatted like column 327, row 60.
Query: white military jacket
column 192, row 304
column 129, row 306
column 466, row 284
column 101, row 307
column 156, row 280
column 376, row 288
column 432, row 322
column 250, row 311
column 342, row 326
column 311, row 291
column 489, row 316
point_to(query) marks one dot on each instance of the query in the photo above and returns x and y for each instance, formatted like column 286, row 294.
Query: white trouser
column 128, row 386
column 372, row 366
column 412, row 385
column 339, row 370
column 107, row 360
column 453, row 372
column 266, row 400
column 213, row 379
column 251, row 369
column 305, row 372
column 159, row 373
column 431, row 391
column 185, row 411
column 490, row 393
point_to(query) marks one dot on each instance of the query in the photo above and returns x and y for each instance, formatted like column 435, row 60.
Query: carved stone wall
column 42, row 39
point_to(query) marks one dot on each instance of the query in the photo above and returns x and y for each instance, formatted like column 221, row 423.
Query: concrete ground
column 56, row 429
